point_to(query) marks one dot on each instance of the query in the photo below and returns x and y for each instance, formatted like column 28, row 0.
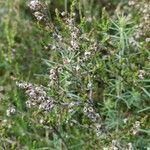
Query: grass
column 109, row 74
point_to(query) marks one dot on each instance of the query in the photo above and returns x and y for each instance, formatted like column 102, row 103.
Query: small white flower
column 63, row 13
column 77, row 68
column 90, row 109
column 85, row 109
column 41, row 121
column 39, row 16
column 131, row 3
column 10, row 111
column 125, row 120
column 87, row 53
column 141, row 74
column 72, row 104
column 130, row 146
column 136, row 127
column 147, row 40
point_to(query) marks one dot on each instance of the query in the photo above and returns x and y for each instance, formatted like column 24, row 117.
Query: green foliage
column 85, row 58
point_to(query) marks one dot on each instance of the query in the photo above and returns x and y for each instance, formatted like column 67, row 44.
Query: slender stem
column 66, row 5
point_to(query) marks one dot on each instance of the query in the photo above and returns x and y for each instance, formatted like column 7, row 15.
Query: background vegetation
column 106, row 76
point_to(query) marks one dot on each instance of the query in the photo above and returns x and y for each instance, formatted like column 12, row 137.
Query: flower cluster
column 115, row 145
column 91, row 114
column 141, row 74
column 54, row 75
column 74, row 30
column 38, row 10
column 37, row 96
column 89, row 111
column 35, row 5
column 143, row 28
